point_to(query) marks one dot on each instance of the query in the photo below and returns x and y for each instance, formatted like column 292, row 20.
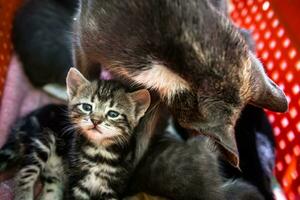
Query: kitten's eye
column 113, row 114
column 86, row 107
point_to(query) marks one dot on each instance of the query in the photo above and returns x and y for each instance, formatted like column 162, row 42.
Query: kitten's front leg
column 53, row 189
column 25, row 180
column 53, row 178
column 33, row 165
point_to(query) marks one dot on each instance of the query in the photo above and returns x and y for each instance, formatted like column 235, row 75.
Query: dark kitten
column 89, row 153
column 178, row 170
column 42, row 39
column 187, row 51
column 252, row 129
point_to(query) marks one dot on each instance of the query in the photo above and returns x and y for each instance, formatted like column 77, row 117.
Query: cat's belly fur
column 97, row 179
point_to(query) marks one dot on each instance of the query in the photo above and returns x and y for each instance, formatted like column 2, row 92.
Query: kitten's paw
column 53, row 189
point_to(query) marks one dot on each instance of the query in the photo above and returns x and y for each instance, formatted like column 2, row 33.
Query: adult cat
column 187, row 51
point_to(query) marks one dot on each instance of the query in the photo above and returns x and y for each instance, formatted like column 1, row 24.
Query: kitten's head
column 102, row 110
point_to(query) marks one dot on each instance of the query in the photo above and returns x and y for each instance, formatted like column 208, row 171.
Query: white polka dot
column 241, row 5
column 254, row 9
column 244, row 12
column 256, row 36
column 279, row 166
column 248, row 20
column 275, row 76
column 277, row 54
column 271, row 118
column 266, row 6
column 283, row 65
column 270, row 14
column 296, row 89
column 280, row 32
column 265, row 55
column 272, row 44
column 291, row 136
column 282, row 144
column 287, row 159
column 284, row 122
column 258, row 17
column 289, row 76
column 286, row 42
column 249, row 2
column 275, row 23
column 277, row 131
column 270, row 65
column 296, row 150
column 293, row 113
column 263, row 25
column 267, row 34
column 292, row 53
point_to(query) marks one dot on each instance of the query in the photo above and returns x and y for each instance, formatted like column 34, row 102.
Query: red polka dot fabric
column 277, row 49
column 7, row 10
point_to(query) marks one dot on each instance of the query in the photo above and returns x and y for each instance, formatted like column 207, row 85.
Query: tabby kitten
column 89, row 150
column 187, row 51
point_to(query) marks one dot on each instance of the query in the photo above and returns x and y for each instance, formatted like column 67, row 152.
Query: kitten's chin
column 99, row 137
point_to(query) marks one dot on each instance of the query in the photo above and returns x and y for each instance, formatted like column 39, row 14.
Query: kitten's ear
column 264, row 92
column 74, row 80
column 143, row 99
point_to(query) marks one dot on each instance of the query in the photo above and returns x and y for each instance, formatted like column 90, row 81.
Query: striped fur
column 77, row 154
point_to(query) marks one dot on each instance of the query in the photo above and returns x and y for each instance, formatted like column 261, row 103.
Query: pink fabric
column 105, row 75
column 19, row 98
column 6, row 190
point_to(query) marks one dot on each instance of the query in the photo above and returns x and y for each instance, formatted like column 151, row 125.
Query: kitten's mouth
column 98, row 136
column 96, row 129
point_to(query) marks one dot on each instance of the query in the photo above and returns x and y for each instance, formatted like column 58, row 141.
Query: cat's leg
column 25, row 181
column 34, row 162
column 53, row 179
column 53, row 188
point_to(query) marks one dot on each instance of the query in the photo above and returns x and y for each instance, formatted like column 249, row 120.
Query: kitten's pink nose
column 96, row 121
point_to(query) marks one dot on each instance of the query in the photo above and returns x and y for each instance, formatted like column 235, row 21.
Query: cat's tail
column 241, row 190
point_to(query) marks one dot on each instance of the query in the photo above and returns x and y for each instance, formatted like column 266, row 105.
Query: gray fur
column 211, row 72
column 179, row 170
